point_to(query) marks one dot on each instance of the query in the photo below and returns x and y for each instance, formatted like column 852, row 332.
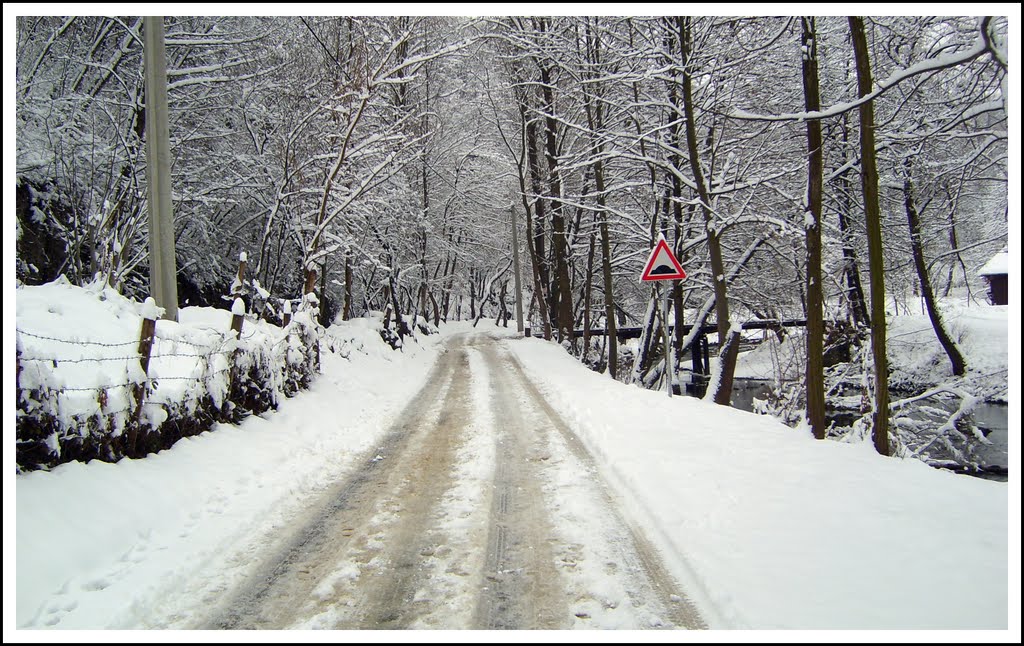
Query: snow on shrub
column 369, row 336
column 80, row 379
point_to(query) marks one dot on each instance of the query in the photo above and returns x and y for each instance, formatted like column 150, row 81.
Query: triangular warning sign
column 662, row 264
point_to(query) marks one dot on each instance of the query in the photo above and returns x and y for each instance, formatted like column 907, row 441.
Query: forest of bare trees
column 800, row 168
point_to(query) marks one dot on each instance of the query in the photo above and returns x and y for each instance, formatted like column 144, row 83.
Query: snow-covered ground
column 776, row 530
column 106, row 545
column 915, row 356
column 980, row 331
column 917, row 364
column 766, row 527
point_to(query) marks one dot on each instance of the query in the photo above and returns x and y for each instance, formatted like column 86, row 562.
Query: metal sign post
column 663, row 266
column 668, row 345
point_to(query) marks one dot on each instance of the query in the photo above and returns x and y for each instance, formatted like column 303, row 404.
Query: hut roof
column 998, row 264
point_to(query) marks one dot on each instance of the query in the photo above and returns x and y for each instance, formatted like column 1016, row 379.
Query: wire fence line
column 156, row 337
column 131, row 358
column 131, row 409
column 201, row 358
column 65, row 411
column 226, row 337
column 255, row 375
column 78, row 341
column 150, row 382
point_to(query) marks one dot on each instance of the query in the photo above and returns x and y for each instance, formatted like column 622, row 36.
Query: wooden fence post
column 239, row 284
column 146, row 335
column 237, row 289
column 287, row 308
column 17, row 378
column 310, row 283
column 237, row 318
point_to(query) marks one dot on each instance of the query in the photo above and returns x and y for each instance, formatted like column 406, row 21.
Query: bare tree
column 873, row 217
column 815, row 378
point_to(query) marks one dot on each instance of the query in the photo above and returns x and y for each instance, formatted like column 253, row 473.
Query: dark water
column 991, row 418
column 744, row 391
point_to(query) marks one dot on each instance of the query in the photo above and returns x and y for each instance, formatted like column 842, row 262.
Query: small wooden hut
column 996, row 273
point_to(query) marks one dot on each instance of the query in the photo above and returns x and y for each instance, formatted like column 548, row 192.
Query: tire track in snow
column 519, row 589
column 421, row 575
column 480, row 509
column 304, row 571
column 606, row 560
column 451, row 583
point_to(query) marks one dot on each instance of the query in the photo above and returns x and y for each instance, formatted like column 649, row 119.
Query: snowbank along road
column 480, row 509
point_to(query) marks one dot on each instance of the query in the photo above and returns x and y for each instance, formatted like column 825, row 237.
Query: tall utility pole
column 515, row 265
column 162, row 268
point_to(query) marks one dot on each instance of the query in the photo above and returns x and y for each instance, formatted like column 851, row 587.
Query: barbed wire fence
column 228, row 363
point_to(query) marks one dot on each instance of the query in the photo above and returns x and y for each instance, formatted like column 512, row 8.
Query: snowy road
column 479, row 509
column 366, row 501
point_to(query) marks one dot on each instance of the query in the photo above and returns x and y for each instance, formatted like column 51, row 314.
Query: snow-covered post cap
column 150, row 310
column 242, row 257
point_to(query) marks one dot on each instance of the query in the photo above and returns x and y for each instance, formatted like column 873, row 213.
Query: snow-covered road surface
column 761, row 525
column 479, row 509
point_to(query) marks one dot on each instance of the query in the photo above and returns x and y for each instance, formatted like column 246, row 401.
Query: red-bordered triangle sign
column 662, row 264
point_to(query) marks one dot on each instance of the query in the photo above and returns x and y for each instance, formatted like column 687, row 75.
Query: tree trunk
column 854, row 290
column 559, row 241
column 423, row 230
column 346, row 312
column 642, row 361
column 677, row 286
column 674, row 160
column 502, row 309
column 917, row 247
column 449, row 281
column 729, row 351
column 596, row 126
column 873, row 216
column 437, row 312
column 538, row 251
column 538, row 279
column 323, row 293
column 586, row 295
column 310, row 281
column 815, row 377
column 400, row 324
column 954, row 245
